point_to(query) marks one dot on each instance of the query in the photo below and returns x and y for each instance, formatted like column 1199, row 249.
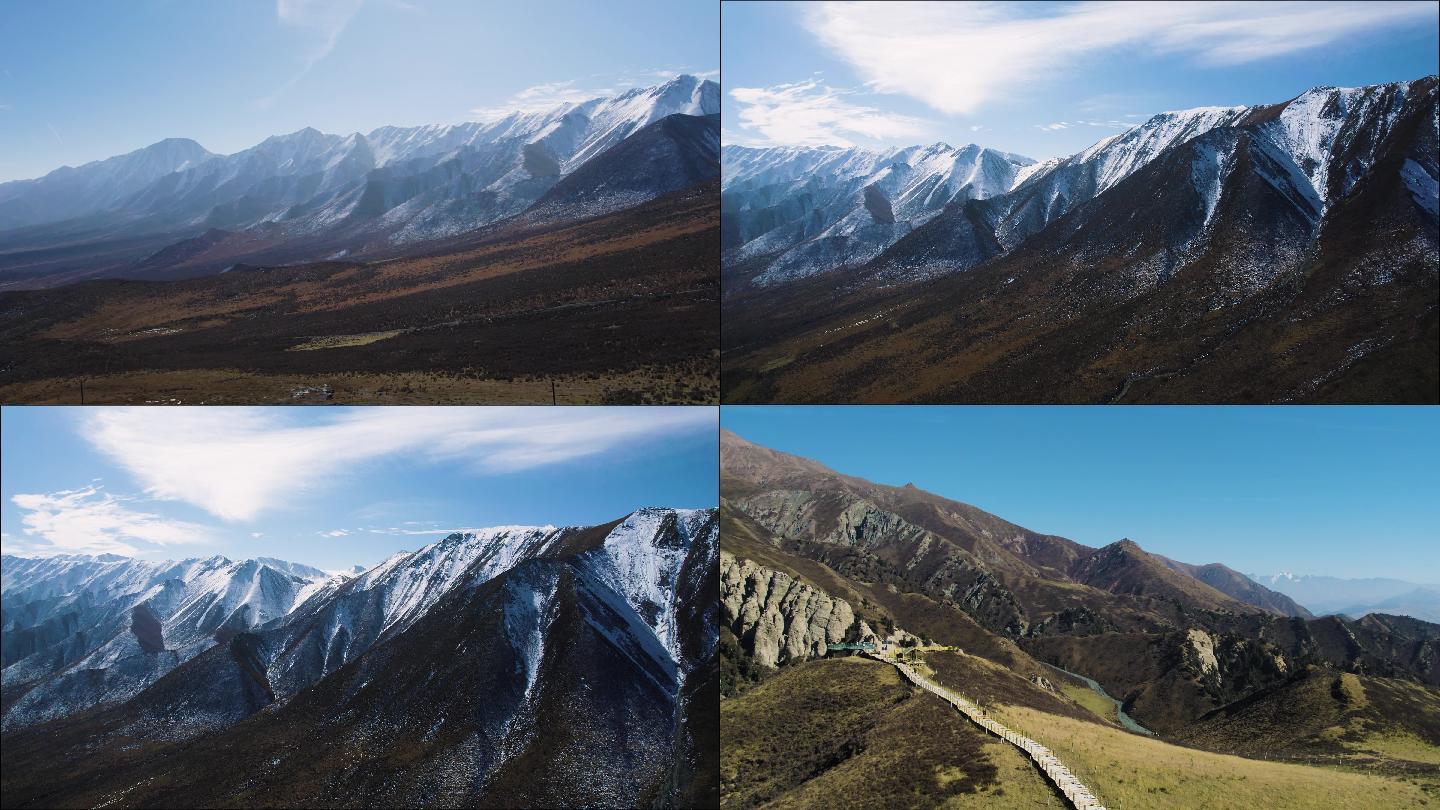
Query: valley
column 1221, row 698
column 620, row 308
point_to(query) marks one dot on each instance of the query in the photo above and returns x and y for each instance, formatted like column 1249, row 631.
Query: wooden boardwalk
column 1077, row 794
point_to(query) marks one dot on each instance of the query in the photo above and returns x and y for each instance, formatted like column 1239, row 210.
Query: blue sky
column 1042, row 79
column 334, row 487
column 1343, row 491
column 82, row 81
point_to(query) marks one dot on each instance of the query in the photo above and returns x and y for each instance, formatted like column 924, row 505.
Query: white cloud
column 1068, row 124
column 422, row 532
column 323, row 20
column 238, row 462
column 335, row 533
column 257, row 535
column 957, row 57
column 810, row 114
column 320, row 23
column 92, row 521
column 541, row 97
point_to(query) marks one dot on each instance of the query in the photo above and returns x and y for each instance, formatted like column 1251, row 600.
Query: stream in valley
column 1125, row 720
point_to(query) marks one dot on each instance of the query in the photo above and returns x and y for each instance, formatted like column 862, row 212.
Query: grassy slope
column 848, row 732
column 630, row 298
column 1130, row 771
column 1382, row 725
column 692, row 383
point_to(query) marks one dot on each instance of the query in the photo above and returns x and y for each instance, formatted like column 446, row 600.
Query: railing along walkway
column 1077, row 794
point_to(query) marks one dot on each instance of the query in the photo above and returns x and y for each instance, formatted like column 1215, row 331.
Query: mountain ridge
column 1286, row 253
column 319, row 195
column 1155, row 633
column 516, row 681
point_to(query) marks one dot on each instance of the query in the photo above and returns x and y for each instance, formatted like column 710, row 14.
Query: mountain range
column 1357, row 597
column 1139, row 669
column 1280, row 252
column 565, row 255
column 949, row 571
column 313, row 195
column 520, row 665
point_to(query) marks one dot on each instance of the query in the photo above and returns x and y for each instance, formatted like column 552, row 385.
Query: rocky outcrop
column 778, row 618
column 916, row 557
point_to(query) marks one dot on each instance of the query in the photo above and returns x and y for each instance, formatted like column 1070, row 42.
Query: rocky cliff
column 778, row 618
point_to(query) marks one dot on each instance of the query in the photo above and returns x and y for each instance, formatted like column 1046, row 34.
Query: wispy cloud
column 236, row 463
column 957, row 57
column 1058, row 125
column 809, row 113
column 540, row 97
column 335, row 533
column 320, row 23
column 92, row 521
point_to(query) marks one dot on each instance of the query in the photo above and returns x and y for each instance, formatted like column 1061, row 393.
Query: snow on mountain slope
column 1333, row 134
column 641, row 560
column 81, row 631
column 674, row 153
column 99, row 185
column 413, row 582
column 1312, row 150
column 825, row 207
column 338, row 625
column 401, row 184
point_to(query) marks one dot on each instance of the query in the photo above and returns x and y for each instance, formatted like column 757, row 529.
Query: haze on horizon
column 231, row 73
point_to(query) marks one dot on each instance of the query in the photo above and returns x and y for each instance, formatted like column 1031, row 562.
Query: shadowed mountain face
column 674, row 153
column 1276, row 253
column 174, row 209
column 808, row 210
column 83, row 631
column 523, row 667
column 1174, row 641
column 1233, row 583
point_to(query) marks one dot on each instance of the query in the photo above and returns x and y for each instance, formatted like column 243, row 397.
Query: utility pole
column 552, row 391
column 82, row 390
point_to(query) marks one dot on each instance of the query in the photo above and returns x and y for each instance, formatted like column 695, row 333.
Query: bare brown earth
column 693, row 383
column 622, row 308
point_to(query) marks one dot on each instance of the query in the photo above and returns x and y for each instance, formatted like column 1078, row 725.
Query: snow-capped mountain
column 83, row 630
column 673, row 153
column 1281, row 253
column 1314, row 149
column 305, row 624
column 548, row 666
column 1357, row 597
column 1306, row 155
column 318, row 191
column 819, row 208
column 97, row 186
